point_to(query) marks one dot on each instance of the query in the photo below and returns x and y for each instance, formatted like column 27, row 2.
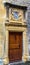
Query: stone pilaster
column 6, row 60
column 25, row 46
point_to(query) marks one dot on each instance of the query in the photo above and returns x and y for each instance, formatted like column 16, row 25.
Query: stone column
column 25, row 46
column 6, row 60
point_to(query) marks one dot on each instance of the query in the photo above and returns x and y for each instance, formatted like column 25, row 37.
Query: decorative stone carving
column 16, row 15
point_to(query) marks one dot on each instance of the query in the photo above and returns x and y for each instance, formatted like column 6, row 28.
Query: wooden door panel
column 15, row 46
column 14, row 54
column 12, row 39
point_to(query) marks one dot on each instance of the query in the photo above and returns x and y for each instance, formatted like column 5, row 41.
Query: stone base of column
column 25, row 58
column 6, row 61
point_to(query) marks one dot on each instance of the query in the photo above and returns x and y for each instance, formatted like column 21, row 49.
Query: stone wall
column 2, row 28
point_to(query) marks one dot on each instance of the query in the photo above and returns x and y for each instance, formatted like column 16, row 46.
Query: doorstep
column 17, row 63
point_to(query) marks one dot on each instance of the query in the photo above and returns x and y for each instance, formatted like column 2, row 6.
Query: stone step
column 22, row 63
column 17, row 63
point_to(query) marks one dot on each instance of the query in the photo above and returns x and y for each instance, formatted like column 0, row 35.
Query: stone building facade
column 17, row 23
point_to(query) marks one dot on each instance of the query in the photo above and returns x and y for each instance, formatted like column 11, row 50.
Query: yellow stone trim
column 13, row 28
column 19, row 29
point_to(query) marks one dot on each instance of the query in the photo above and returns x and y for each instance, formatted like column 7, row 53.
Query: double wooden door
column 15, row 46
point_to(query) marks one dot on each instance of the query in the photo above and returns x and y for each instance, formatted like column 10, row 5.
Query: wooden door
column 15, row 46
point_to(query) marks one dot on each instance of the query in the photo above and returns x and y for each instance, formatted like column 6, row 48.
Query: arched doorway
column 15, row 46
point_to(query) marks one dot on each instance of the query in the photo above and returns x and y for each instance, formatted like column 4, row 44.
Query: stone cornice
column 15, row 24
column 6, row 4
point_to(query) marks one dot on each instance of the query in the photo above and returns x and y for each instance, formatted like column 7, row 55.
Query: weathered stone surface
column 19, row 2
